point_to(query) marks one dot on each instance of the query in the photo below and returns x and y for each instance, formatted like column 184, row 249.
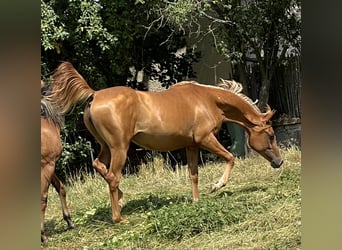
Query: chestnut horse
column 51, row 148
column 187, row 115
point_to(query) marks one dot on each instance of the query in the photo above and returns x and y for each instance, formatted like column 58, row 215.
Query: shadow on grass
column 103, row 214
column 51, row 227
column 243, row 190
column 140, row 205
column 153, row 202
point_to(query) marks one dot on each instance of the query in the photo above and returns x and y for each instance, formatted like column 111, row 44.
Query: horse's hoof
column 216, row 187
column 124, row 221
column 44, row 239
column 71, row 226
column 212, row 189
column 120, row 205
column 121, row 221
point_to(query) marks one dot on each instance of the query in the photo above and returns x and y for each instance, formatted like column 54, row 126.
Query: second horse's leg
column 59, row 186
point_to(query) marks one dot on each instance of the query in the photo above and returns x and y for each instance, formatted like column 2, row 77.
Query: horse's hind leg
column 101, row 164
column 113, row 179
column 112, row 176
column 59, row 186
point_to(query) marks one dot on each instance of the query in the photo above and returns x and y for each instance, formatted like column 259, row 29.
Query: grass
column 258, row 209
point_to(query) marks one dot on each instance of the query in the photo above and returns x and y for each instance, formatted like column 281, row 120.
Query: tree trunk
column 243, row 76
column 264, row 93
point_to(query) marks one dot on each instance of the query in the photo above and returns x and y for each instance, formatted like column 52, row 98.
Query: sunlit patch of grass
column 258, row 209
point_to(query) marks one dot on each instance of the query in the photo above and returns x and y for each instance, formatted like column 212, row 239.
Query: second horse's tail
column 68, row 87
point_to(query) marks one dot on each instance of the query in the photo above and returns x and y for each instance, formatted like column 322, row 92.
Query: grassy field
column 260, row 208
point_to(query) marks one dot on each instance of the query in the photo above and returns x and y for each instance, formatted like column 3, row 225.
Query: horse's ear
column 269, row 113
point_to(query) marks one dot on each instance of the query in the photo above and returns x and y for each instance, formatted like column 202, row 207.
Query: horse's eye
column 271, row 137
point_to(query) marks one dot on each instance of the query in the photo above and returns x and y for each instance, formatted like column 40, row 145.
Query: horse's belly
column 162, row 142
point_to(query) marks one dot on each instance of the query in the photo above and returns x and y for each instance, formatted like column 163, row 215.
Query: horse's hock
column 288, row 131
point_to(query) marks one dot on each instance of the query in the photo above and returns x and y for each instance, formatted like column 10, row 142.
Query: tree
column 95, row 40
column 103, row 38
column 267, row 32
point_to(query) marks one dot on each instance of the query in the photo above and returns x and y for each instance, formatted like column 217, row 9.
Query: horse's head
column 262, row 139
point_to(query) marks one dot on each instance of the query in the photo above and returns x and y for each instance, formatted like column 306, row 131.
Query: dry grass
column 258, row 209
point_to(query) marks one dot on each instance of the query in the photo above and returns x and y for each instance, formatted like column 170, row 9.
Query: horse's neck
column 237, row 110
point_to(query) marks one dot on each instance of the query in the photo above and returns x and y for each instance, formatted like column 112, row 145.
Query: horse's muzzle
column 276, row 163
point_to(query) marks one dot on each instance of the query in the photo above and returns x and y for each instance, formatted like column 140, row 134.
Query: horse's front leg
column 46, row 173
column 192, row 159
column 43, row 203
column 211, row 144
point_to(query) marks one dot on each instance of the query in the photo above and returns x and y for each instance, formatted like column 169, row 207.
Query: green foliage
column 76, row 155
column 179, row 12
column 52, row 30
column 90, row 24
column 104, row 38
column 184, row 220
column 173, row 69
column 259, row 27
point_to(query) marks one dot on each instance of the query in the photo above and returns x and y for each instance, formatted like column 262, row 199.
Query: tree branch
column 214, row 19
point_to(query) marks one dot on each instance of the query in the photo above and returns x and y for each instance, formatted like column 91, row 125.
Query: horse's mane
column 51, row 112
column 229, row 85
column 236, row 88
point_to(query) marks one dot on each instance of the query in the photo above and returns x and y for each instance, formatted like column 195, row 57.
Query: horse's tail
column 68, row 87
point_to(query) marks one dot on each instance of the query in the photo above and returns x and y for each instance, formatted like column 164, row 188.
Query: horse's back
column 119, row 96
column 129, row 104
column 51, row 145
column 158, row 120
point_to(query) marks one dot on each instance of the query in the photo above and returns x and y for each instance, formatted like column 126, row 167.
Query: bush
column 76, row 155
